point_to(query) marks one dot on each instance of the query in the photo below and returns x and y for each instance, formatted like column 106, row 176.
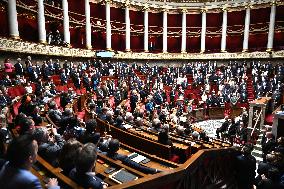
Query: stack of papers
column 136, row 157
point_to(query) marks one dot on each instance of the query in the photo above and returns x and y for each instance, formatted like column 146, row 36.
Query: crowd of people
column 160, row 102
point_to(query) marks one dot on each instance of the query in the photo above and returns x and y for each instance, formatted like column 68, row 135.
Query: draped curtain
column 155, row 21
column 259, row 24
column 279, row 29
column 137, row 30
column 235, row 31
column 174, row 32
column 213, row 32
column 193, row 25
column 4, row 32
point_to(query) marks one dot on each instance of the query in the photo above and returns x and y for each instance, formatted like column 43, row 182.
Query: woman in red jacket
column 8, row 67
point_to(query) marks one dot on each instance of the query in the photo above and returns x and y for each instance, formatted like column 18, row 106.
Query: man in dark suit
column 19, row 67
column 268, row 144
column 84, row 165
column 133, row 100
column 49, row 144
column 86, row 82
column 63, row 77
column 113, row 147
column 245, row 168
column 21, row 155
column 224, row 127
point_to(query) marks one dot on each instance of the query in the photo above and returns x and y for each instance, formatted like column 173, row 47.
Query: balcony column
column 271, row 27
column 246, row 31
column 108, row 26
column 41, row 22
column 13, row 19
column 66, row 31
column 224, row 31
column 127, row 28
column 146, row 30
column 88, row 25
column 165, row 31
column 203, row 31
column 183, row 35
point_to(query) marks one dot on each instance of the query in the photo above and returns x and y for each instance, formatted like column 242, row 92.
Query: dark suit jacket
column 50, row 151
column 125, row 160
column 14, row 178
column 268, row 146
column 245, row 171
column 269, row 184
column 87, row 180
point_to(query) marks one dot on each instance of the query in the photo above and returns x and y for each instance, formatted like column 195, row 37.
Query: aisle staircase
column 250, row 88
column 257, row 151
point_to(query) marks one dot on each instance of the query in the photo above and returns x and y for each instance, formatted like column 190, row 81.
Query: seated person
column 21, row 154
column 54, row 113
column 90, row 135
column 280, row 146
column 224, row 127
column 119, row 122
column 272, row 181
column 50, row 144
column 36, row 116
column 68, row 155
column 163, row 136
column 84, row 165
column 26, row 106
column 156, row 126
column 27, row 125
column 112, row 152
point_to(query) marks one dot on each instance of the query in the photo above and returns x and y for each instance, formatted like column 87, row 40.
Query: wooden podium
column 257, row 114
column 278, row 123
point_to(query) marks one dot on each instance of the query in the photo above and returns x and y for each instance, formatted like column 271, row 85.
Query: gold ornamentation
column 198, row 56
column 11, row 45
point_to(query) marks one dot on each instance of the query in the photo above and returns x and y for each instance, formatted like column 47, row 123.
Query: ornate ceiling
column 192, row 5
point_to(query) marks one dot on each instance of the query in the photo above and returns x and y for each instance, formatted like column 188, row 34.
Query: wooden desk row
column 104, row 163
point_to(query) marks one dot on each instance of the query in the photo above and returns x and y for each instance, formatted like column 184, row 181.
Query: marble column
column 88, row 25
column 246, row 30
column 203, row 32
column 66, row 31
column 127, row 29
column 13, row 19
column 224, row 31
column 165, row 31
column 271, row 27
column 183, row 35
column 108, row 26
column 41, row 22
column 146, row 30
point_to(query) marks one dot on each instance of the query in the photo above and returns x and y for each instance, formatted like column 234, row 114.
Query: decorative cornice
column 199, row 56
column 11, row 45
column 194, row 5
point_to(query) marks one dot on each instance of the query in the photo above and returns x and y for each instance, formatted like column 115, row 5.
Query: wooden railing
column 212, row 168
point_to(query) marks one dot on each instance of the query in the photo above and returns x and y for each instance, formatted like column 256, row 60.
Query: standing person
column 8, row 67
column 21, row 154
column 133, row 100
column 245, row 168
column 19, row 67
column 84, row 165
column 268, row 144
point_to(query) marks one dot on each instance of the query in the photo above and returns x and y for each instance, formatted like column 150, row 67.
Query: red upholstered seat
column 12, row 92
column 16, row 107
column 57, row 101
column 81, row 115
